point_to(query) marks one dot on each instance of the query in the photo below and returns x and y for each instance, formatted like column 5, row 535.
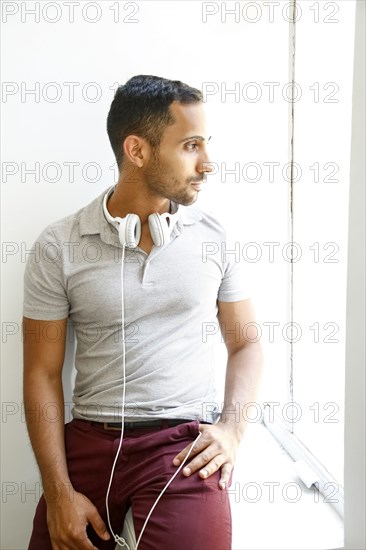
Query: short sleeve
column 45, row 296
column 235, row 284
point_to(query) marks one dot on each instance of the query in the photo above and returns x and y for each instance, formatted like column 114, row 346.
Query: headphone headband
column 129, row 228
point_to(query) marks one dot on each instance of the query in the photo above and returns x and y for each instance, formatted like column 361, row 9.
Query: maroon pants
column 192, row 514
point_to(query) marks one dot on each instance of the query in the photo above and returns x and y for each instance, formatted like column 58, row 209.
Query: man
column 166, row 293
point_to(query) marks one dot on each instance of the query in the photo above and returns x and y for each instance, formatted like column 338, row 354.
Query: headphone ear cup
column 159, row 229
column 129, row 230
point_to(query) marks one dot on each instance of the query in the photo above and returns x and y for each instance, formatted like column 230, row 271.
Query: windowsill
column 271, row 507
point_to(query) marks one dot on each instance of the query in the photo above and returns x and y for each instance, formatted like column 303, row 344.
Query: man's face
column 178, row 168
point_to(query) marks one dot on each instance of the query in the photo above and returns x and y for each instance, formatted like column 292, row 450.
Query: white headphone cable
column 121, row 541
column 166, row 486
column 118, row 539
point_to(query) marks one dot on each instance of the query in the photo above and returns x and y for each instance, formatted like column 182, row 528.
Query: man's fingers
column 202, row 459
column 83, row 542
column 226, row 470
column 197, row 447
column 98, row 525
column 212, row 466
column 177, row 460
column 214, row 451
column 75, row 542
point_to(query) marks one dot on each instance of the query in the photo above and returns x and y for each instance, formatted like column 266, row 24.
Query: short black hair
column 141, row 107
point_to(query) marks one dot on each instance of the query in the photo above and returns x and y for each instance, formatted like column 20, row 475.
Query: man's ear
column 136, row 150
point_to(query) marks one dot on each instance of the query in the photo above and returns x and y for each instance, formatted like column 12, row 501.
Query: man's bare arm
column 44, row 352
column 68, row 512
column 245, row 361
column 217, row 447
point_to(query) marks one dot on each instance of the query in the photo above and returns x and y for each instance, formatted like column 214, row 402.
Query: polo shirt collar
column 93, row 222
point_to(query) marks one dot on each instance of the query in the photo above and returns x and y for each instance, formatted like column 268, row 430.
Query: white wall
column 169, row 39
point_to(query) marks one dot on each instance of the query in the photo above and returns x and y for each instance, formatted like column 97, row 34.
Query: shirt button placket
column 146, row 267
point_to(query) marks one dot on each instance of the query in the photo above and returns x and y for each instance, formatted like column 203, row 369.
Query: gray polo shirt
column 170, row 304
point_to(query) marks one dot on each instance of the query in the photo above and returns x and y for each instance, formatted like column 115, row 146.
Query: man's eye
column 192, row 146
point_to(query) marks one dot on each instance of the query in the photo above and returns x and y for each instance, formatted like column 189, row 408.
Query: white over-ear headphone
column 129, row 228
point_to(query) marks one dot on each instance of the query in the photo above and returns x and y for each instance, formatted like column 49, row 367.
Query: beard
column 161, row 182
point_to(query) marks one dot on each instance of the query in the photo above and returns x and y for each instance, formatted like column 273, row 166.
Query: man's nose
column 206, row 165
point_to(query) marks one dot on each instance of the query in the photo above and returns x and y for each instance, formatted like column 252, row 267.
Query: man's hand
column 67, row 519
column 215, row 449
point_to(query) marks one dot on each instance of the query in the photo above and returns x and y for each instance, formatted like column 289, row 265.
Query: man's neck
column 125, row 200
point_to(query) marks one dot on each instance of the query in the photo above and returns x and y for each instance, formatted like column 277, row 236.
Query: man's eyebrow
column 198, row 138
